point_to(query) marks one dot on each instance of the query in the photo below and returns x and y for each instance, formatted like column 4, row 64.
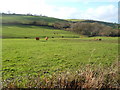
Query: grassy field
column 75, row 20
column 21, row 31
column 27, row 19
column 28, row 57
column 65, row 60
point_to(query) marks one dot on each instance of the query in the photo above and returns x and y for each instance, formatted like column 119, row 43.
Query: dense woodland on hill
column 84, row 27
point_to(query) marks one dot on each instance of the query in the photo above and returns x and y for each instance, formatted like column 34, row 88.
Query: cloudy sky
column 103, row 10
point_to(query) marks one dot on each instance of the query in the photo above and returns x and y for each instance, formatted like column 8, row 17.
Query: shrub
column 93, row 29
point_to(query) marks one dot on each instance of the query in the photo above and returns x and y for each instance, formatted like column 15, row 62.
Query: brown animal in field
column 37, row 38
column 98, row 39
column 46, row 38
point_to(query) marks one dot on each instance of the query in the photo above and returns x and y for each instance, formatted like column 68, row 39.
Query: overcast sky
column 103, row 10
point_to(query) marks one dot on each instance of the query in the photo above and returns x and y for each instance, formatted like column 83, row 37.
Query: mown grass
column 27, row 57
column 21, row 31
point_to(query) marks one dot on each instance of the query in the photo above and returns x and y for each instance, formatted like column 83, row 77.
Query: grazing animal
column 37, row 38
column 46, row 38
column 62, row 36
column 98, row 39
column 26, row 37
column 52, row 37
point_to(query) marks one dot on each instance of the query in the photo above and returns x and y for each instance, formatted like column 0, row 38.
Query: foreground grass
column 27, row 59
column 89, row 76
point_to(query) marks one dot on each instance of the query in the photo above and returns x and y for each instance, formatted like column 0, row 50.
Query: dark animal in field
column 37, row 38
column 52, row 37
column 46, row 38
column 26, row 37
column 98, row 39
column 62, row 36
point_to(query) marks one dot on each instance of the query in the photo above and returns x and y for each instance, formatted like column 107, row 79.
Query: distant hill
column 50, row 23
column 25, row 19
column 75, row 20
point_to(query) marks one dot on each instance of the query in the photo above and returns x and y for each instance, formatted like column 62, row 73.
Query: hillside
column 34, row 26
column 22, row 26
column 26, row 19
column 29, row 31
column 114, row 25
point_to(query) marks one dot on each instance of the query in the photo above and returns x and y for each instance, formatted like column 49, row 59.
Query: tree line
column 89, row 29
column 94, row 29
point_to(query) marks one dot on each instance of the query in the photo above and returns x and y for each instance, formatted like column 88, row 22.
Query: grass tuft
column 90, row 76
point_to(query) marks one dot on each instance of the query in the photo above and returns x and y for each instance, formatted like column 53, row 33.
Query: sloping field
column 22, row 31
column 27, row 19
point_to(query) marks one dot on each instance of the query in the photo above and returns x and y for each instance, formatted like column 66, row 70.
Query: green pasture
column 75, row 20
column 27, row 19
column 21, row 31
column 24, row 57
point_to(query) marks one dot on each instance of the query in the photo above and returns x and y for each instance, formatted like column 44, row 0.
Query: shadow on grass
column 28, row 25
